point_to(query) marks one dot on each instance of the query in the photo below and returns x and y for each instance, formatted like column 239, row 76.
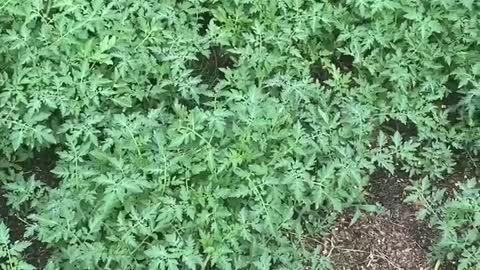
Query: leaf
column 4, row 234
column 178, row 140
column 422, row 214
column 336, row 203
column 39, row 117
column 16, row 137
column 323, row 115
column 124, row 101
column 468, row 3
column 107, row 43
column 476, row 69
column 25, row 266
column 211, row 160
column 155, row 252
column 397, row 139
column 413, row 14
column 355, row 217
column 19, row 247
column 388, row 165
column 382, row 139
column 48, row 136
column 192, row 261
column 264, row 262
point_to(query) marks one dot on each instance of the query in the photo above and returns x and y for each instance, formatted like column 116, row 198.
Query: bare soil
column 466, row 169
column 391, row 240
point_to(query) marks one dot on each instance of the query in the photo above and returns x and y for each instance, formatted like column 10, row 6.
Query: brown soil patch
column 41, row 165
column 209, row 68
column 466, row 169
column 376, row 242
column 392, row 240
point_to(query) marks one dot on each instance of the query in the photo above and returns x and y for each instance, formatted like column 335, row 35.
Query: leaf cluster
column 166, row 164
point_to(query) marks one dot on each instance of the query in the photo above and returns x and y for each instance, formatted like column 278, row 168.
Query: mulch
column 392, row 240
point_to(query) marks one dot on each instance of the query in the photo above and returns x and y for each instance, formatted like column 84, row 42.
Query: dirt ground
column 392, row 240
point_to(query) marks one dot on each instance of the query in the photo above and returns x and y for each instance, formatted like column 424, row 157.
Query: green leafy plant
column 457, row 218
column 204, row 134
column 11, row 253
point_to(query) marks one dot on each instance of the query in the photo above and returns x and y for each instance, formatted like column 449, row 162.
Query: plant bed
column 35, row 254
column 222, row 134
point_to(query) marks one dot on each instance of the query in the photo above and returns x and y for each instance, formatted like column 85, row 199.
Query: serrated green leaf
column 17, row 139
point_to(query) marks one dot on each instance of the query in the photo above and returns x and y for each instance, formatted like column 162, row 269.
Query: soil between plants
column 37, row 254
column 391, row 240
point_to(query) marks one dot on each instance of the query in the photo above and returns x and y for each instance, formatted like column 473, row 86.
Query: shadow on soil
column 209, row 67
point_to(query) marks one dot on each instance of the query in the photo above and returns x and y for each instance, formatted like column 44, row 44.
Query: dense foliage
column 204, row 134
